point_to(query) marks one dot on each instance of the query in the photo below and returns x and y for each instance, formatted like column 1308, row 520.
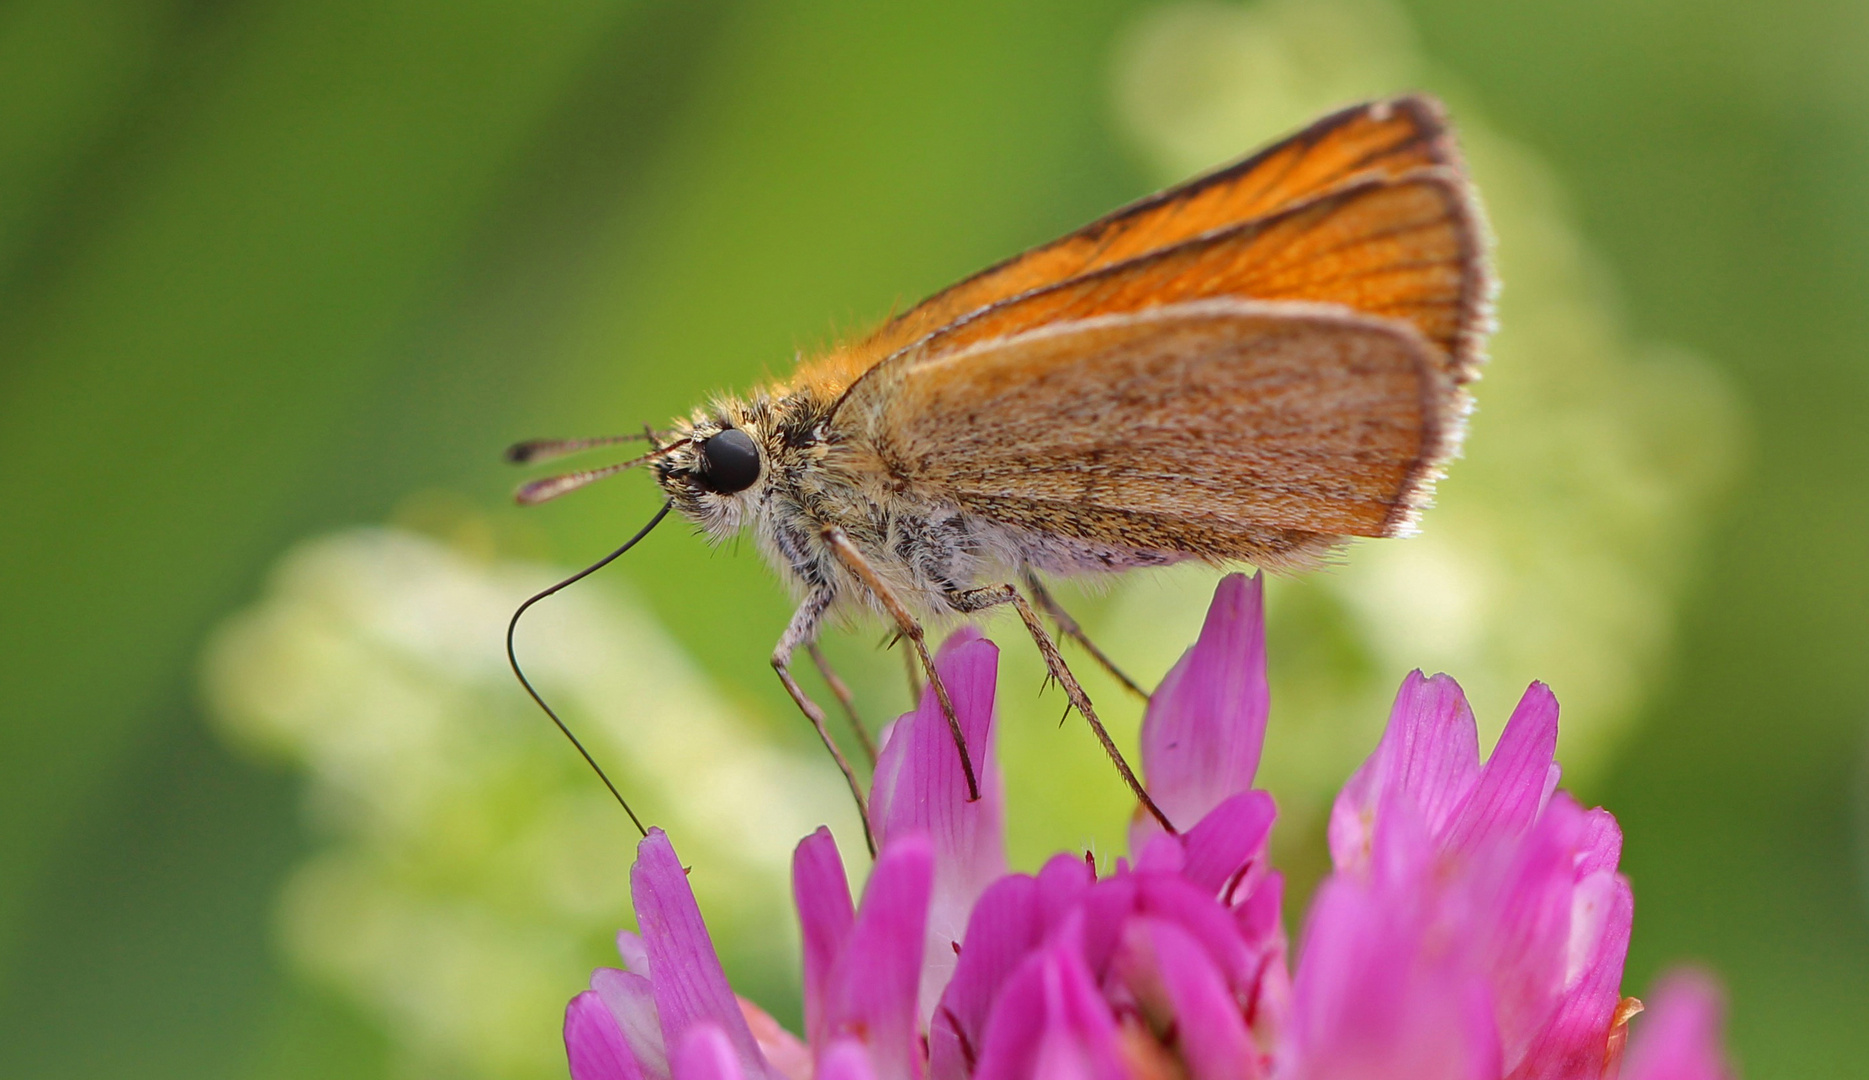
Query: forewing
column 1380, row 139
column 1221, row 428
column 1400, row 249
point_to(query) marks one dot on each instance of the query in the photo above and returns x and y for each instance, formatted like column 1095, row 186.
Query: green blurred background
column 270, row 269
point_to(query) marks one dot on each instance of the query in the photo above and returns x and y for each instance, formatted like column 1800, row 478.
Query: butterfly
column 1253, row 366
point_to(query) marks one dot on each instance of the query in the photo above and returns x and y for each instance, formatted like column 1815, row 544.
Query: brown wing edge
column 1477, row 318
column 1445, row 406
column 1478, row 299
column 1430, row 117
column 1440, row 444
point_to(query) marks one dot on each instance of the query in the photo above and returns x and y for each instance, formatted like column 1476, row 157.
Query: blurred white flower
column 474, row 866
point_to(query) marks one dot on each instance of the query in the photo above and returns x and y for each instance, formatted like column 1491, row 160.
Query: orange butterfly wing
column 1382, row 139
column 1401, row 249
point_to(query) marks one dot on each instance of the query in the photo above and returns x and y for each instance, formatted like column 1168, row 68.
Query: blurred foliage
column 266, row 269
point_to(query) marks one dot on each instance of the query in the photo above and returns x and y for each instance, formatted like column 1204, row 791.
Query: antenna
column 536, row 450
column 513, row 657
column 551, row 487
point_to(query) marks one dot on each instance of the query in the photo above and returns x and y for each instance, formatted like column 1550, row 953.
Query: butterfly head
column 716, row 466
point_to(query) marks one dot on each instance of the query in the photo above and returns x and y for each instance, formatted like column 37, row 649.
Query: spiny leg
column 853, row 560
column 803, row 630
column 1068, row 627
column 842, row 693
column 993, row 595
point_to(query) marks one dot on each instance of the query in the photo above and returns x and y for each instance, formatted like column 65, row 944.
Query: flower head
column 1473, row 927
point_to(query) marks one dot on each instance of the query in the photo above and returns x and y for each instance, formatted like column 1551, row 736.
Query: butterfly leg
column 1068, row 627
column 803, row 630
column 911, row 629
column 993, row 596
column 842, row 693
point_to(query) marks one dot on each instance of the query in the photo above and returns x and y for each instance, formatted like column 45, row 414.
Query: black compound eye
column 729, row 462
